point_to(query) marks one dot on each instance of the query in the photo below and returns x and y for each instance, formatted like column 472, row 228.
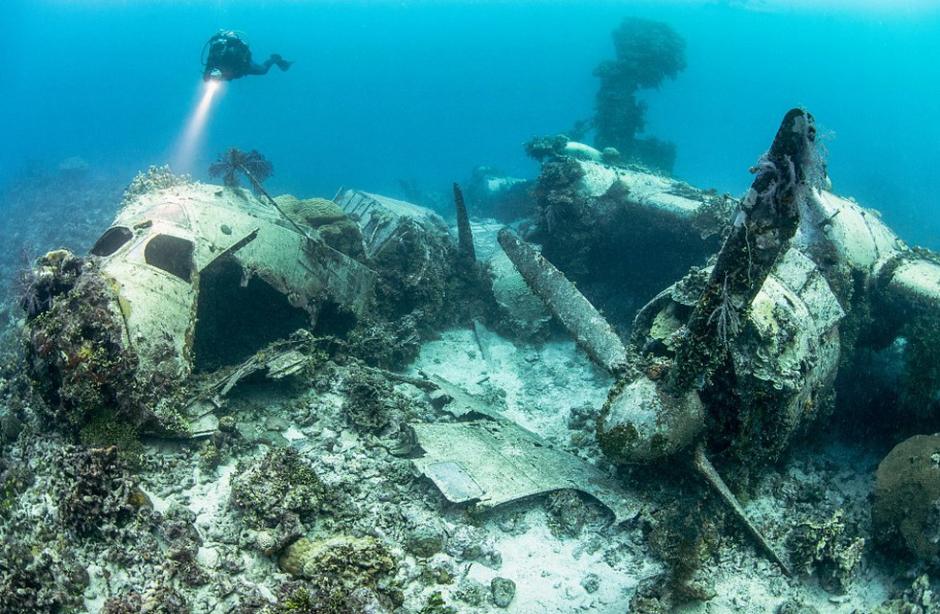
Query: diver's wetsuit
column 231, row 57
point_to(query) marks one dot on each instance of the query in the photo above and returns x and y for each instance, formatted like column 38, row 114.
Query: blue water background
column 425, row 91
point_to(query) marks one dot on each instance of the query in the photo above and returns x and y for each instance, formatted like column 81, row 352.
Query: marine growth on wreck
column 594, row 387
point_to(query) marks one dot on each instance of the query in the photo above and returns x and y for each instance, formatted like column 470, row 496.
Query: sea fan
column 234, row 161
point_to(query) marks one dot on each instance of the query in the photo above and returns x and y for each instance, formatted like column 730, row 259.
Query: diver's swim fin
column 281, row 62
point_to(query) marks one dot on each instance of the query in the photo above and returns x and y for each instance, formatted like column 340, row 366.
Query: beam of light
column 195, row 127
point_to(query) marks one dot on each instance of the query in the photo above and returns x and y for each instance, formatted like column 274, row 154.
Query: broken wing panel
column 381, row 218
column 496, row 462
column 464, row 445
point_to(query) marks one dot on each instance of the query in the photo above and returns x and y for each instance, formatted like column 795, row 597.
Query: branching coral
column 96, row 492
column 53, row 274
column 542, row 147
column 350, row 560
column 34, row 579
column 918, row 599
column 829, row 549
column 558, row 206
column 324, row 597
column 684, row 537
column 123, row 604
column 384, row 344
column 154, row 178
column 414, row 271
column 567, row 513
column 278, row 484
column 14, row 479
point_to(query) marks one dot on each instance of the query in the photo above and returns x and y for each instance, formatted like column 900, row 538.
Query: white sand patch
column 535, row 386
column 208, row 499
column 96, row 593
column 549, row 571
column 293, row 434
column 159, row 503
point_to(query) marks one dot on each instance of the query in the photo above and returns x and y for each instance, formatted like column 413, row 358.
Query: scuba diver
column 229, row 57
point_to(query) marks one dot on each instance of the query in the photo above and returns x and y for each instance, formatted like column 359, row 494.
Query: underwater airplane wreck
column 723, row 323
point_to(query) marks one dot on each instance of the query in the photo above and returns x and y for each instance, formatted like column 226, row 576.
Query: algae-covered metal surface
column 383, row 219
column 162, row 242
column 589, row 328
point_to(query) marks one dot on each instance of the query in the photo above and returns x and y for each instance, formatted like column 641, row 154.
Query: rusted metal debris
column 705, row 469
column 464, row 233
